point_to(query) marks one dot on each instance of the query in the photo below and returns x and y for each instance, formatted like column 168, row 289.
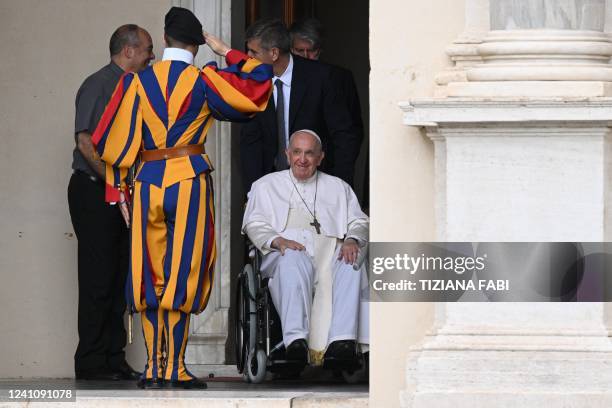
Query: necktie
column 280, row 162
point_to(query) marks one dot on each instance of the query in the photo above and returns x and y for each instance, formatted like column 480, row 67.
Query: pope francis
column 310, row 229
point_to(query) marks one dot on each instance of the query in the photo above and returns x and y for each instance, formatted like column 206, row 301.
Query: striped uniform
column 172, row 104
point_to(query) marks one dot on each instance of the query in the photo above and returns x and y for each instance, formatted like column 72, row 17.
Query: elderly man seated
column 310, row 228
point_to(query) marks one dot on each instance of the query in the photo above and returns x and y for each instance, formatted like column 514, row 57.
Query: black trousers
column 103, row 250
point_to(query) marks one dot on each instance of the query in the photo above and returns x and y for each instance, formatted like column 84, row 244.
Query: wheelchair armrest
column 254, row 254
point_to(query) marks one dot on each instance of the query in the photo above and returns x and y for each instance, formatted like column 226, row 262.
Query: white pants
column 291, row 286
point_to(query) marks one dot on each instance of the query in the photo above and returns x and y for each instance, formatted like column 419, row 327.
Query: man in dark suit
column 309, row 98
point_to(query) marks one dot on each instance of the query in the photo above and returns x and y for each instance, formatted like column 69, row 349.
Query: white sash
column 321, row 249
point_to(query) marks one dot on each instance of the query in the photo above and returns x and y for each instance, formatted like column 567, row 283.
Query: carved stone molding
column 463, row 52
column 543, row 55
column 537, row 48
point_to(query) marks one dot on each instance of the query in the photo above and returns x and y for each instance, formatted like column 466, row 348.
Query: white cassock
column 318, row 297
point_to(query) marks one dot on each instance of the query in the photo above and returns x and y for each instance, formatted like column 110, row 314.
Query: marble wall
column 49, row 48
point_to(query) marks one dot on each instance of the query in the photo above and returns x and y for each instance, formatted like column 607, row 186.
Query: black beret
column 182, row 25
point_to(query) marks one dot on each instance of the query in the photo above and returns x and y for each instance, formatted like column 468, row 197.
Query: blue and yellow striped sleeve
column 118, row 136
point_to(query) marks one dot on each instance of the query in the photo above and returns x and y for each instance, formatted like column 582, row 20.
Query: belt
column 171, row 153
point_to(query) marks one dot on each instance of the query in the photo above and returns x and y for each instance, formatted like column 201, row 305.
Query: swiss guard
column 162, row 115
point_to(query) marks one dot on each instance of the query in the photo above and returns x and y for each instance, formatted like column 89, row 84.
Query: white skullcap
column 310, row 132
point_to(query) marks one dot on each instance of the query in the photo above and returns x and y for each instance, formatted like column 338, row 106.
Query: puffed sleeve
column 239, row 91
column 119, row 134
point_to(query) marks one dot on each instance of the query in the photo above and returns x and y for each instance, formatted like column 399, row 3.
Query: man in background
column 307, row 42
column 101, row 232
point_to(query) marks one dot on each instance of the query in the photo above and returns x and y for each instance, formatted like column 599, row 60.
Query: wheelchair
column 259, row 340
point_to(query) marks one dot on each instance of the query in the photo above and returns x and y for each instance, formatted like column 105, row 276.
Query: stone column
column 208, row 331
column 522, row 153
column 544, row 47
column 463, row 52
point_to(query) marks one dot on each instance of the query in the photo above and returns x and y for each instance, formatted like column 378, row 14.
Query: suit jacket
column 346, row 85
column 316, row 103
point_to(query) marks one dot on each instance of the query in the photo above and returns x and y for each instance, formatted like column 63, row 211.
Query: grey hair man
column 268, row 41
column 310, row 228
column 307, row 38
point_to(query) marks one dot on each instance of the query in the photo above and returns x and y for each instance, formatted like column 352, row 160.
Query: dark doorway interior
column 347, row 45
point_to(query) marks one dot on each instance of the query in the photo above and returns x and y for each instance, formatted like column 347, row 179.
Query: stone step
column 224, row 391
column 209, row 399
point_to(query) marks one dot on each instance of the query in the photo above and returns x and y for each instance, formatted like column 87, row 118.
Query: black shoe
column 297, row 351
column 126, row 372
column 193, row 384
column 149, row 383
column 101, row 374
column 341, row 354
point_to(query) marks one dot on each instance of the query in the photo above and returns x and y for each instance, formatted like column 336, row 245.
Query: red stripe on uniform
column 209, row 83
column 184, row 106
column 109, row 112
column 148, row 260
column 235, row 56
column 211, row 230
column 258, row 92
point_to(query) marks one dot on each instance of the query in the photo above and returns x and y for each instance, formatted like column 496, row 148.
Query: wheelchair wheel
column 246, row 317
column 256, row 366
